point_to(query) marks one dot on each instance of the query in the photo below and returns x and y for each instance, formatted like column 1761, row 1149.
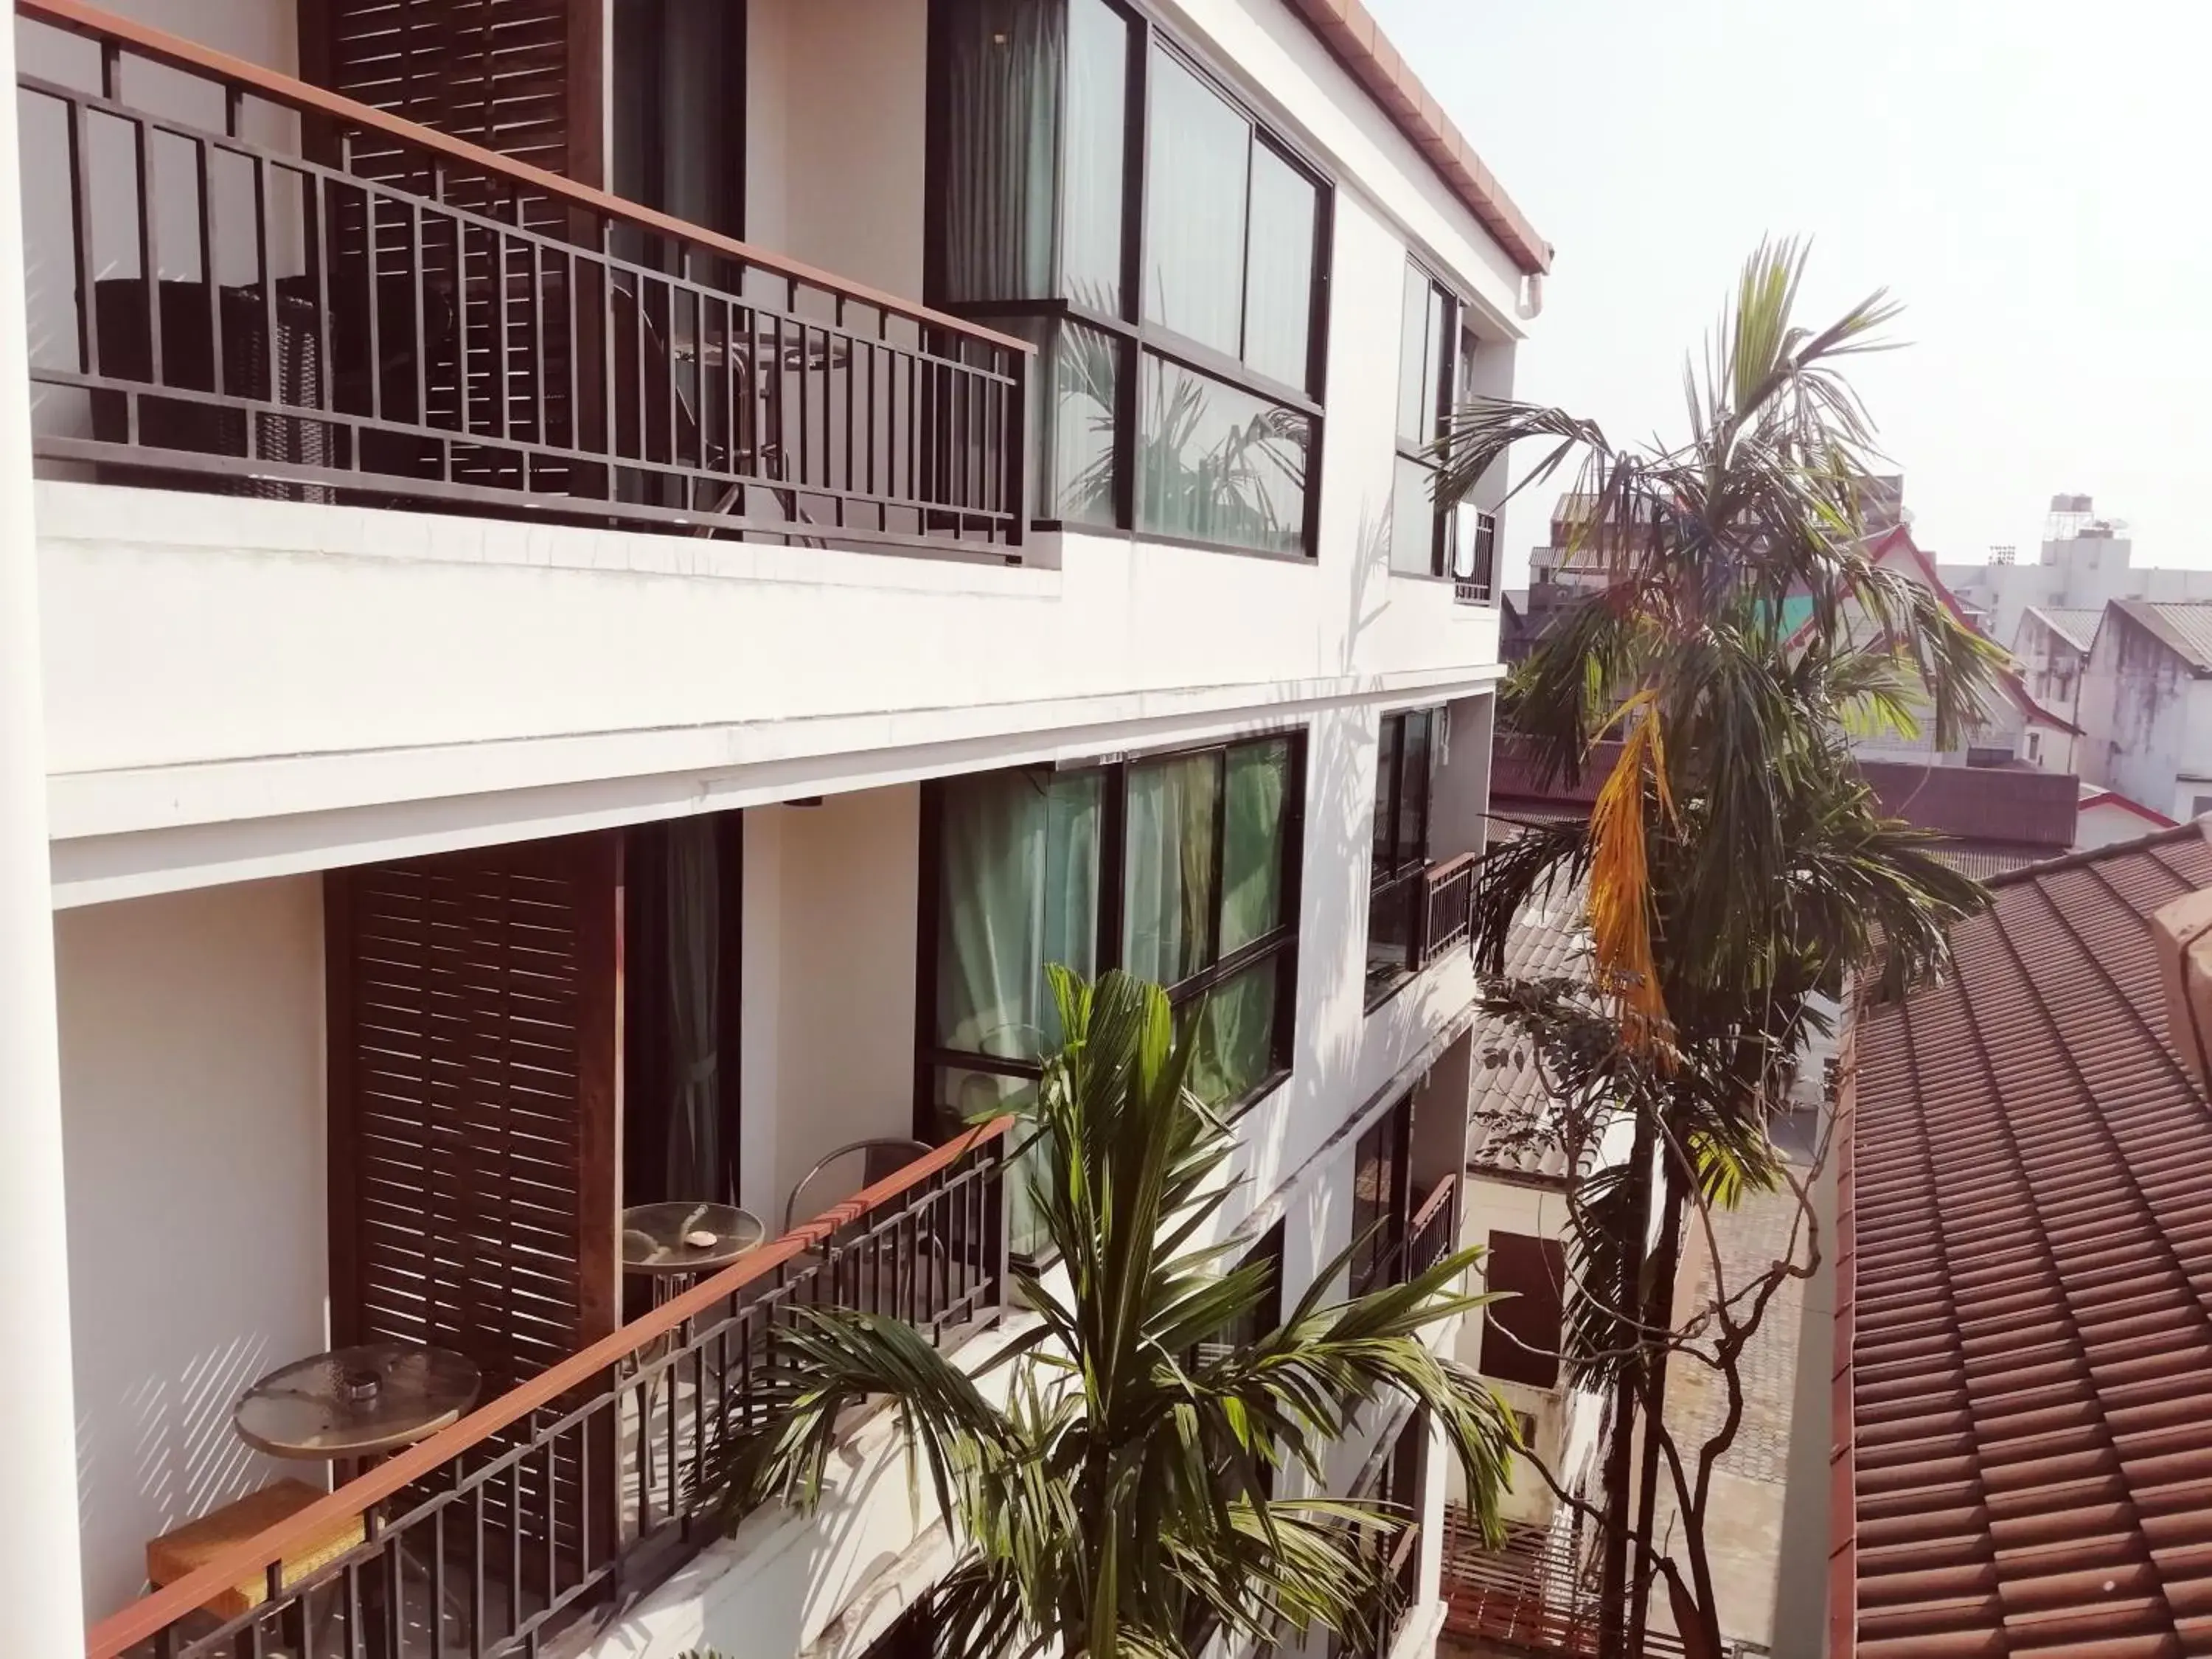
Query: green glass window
column 1396, row 893
column 1017, row 888
column 1196, row 853
column 1037, row 107
column 1219, row 464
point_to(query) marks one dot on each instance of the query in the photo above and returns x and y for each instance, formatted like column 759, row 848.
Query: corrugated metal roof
column 2077, row 628
column 2025, row 1289
column 2185, row 628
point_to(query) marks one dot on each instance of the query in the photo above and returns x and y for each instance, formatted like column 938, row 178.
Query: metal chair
column 880, row 1158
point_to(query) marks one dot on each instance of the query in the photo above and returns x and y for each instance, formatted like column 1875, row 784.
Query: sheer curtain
column 693, row 899
column 1252, row 860
column 1194, row 210
column 1019, row 889
column 1168, row 908
column 1091, row 183
column 1279, row 281
column 1002, row 103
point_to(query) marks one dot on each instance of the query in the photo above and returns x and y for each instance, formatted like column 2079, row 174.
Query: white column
column 41, row 1598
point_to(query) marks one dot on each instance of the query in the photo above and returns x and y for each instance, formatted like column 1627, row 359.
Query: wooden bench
column 192, row 1546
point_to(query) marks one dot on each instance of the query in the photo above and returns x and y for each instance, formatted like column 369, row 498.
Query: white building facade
column 592, row 600
column 2147, row 707
column 2085, row 562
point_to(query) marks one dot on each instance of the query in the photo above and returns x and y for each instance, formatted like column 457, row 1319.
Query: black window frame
column 1391, row 880
column 1279, row 944
column 1457, row 346
column 1380, row 1230
column 1136, row 336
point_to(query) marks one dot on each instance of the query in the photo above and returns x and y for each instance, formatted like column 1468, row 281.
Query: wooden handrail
column 175, row 52
column 1451, row 866
column 1431, row 1203
column 146, row 1617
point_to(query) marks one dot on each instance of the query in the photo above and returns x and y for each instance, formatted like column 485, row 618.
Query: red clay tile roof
column 1348, row 29
column 2024, row 1459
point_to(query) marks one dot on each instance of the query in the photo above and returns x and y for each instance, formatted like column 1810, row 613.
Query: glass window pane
column 1217, row 463
column 1252, row 858
column 1017, row 888
column 1097, row 106
column 1386, row 780
column 1389, row 935
column 1001, row 96
column 1236, row 1034
column 1168, row 906
column 964, row 1098
column 1077, row 482
column 1413, row 797
column 1432, row 367
column 1279, row 278
column 1412, row 354
column 1413, row 520
column 1200, row 151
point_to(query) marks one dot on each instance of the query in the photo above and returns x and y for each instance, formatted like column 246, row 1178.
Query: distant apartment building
column 2146, row 705
column 596, row 586
column 2086, row 561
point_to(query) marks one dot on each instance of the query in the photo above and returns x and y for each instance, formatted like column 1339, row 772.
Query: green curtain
column 1235, row 1034
column 1252, row 860
column 1168, row 904
column 1017, row 888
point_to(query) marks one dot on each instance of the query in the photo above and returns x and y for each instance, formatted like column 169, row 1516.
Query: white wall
column 265, row 31
column 2147, row 721
column 443, row 678
column 192, row 1086
column 831, row 909
column 834, row 132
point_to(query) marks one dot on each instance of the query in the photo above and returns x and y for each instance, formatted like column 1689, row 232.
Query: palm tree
column 1734, row 862
column 1110, row 1476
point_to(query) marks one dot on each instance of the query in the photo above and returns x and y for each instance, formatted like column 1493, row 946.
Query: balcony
column 597, row 1477
column 245, row 284
column 1534, row 1595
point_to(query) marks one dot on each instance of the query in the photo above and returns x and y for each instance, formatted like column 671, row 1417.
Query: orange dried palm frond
column 1620, row 906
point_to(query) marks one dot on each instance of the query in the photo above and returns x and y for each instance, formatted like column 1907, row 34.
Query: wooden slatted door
column 473, row 1054
column 522, row 77
column 517, row 76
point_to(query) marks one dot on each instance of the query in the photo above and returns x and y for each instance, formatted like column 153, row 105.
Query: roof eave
column 1350, row 32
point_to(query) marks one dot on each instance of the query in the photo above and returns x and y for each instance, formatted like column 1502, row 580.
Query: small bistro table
column 344, row 1407
column 676, row 1243
column 355, row 1404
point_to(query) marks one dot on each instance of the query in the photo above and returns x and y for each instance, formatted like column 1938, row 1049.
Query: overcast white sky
column 2033, row 179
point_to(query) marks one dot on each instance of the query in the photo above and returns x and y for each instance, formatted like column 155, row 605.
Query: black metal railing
column 602, row 1474
column 1474, row 571
column 1447, row 906
column 246, row 283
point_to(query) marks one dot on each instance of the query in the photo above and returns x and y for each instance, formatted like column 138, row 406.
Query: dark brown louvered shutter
column 520, row 77
column 517, row 76
column 473, row 1000
column 1521, row 1335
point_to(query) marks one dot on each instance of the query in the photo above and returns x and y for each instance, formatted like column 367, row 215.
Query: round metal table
column 360, row 1403
column 685, row 1239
